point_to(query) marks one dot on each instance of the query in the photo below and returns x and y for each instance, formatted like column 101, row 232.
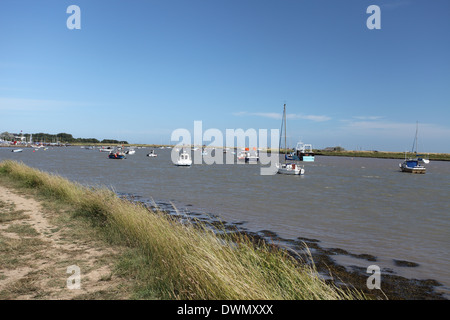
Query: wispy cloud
column 308, row 117
column 367, row 117
column 277, row 116
column 392, row 129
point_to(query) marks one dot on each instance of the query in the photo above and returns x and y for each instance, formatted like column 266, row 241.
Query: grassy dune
column 172, row 260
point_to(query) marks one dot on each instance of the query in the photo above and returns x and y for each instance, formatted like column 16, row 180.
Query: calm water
column 358, row 204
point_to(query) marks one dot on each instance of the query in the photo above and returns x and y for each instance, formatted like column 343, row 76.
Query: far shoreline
column 434, row 156
column 382, row 154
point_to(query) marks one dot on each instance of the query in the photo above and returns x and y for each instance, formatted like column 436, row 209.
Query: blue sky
column 137, row 70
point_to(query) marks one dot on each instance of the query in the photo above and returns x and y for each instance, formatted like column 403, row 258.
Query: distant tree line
column 59, row 137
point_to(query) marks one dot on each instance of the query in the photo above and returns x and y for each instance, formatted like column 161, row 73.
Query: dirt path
column 40, row 255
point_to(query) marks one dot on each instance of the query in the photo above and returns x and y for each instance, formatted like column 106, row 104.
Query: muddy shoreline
column 393, row 287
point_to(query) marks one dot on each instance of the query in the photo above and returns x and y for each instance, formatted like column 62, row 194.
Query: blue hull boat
column 117, row 155
column 413, row 165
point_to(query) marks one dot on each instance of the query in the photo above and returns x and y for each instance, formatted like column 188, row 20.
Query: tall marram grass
column 187, row 261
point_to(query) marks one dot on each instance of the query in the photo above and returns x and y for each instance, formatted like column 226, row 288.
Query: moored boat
column 287, row 168
column 290, row 168
column 152, row 154
column 117, row 154
column 251, row 158
column 304, row 152
column 414, row 165
column 241, row 155
column 184, row 159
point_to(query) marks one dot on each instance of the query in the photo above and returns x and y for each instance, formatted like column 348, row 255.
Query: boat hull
column 307, row 158
column 290, row 169
column 116, row 156
column 420, row 170
column 412, row 167
column 184, row 164
column 184, row 160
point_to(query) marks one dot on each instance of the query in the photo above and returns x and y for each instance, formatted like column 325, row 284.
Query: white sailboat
column 287, row 168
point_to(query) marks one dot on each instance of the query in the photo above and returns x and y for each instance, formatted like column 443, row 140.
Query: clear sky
column 137, row 70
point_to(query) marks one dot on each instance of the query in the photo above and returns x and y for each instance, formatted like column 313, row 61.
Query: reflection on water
column 359, row 204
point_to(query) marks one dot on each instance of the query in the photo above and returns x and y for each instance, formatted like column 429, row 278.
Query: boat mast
column 285, row 133
column 415, row 139
column 417, row 129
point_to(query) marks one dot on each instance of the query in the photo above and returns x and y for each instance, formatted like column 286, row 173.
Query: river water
column 362, row 205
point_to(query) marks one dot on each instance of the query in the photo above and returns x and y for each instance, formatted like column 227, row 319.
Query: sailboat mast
column 417, row 129
column 285, row 133
column 414, row 147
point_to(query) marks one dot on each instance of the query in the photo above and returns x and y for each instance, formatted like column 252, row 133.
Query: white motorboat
column 251, row 158
column 152, row 154
column 17, row 150
column 290, row 168
column 184, row 159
